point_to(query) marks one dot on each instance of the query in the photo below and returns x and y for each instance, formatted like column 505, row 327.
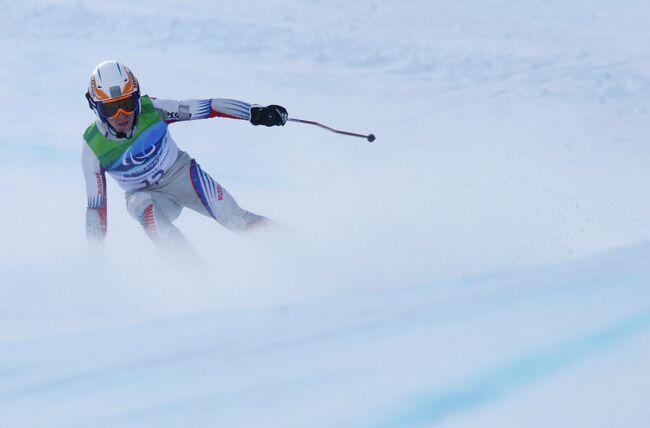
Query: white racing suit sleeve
column 176, row 111
column 95, row 178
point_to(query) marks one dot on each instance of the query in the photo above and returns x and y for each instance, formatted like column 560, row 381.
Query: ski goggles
column 112, row 108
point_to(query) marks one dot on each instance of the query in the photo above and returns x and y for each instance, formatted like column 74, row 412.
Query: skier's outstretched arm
column 95, row 177
column 176, row 111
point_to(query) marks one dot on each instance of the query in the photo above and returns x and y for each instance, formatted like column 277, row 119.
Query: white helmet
column 113, row 88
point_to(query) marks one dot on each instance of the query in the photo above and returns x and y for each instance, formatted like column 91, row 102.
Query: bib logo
column 135, row 157
column 139, row 158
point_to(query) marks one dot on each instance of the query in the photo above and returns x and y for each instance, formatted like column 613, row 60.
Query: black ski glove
column 272, row 115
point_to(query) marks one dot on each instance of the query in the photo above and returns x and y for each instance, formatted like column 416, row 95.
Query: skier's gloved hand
column 96, row 224
column 273, row 115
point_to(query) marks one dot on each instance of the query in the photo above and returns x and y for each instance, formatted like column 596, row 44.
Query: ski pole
column 369, row 137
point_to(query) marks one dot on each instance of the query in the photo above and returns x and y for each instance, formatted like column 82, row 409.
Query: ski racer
column 130, row 141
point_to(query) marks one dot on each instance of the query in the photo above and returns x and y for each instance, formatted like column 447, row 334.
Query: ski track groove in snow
column 480, row 389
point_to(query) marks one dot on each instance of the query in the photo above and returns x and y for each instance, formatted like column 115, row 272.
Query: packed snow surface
column 483, row 263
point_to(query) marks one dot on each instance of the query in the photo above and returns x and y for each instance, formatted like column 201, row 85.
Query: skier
column 130, row 140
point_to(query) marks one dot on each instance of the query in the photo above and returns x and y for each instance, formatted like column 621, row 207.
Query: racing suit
column 159, row 179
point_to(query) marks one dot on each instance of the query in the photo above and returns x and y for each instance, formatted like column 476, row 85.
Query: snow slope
column 483, row 263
